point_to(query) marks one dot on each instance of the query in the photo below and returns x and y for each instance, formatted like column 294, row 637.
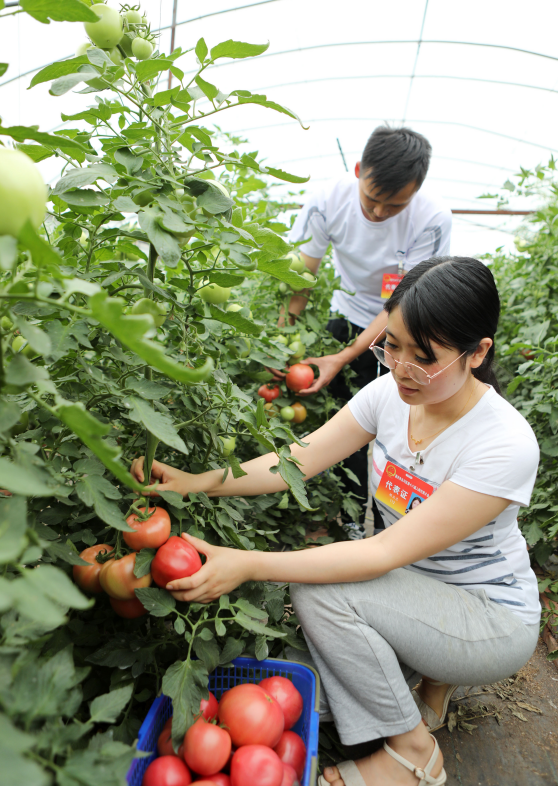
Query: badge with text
column 402, row 491
column 389, row 282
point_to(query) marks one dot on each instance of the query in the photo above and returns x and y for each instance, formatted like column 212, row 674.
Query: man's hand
column 329, row 365
column 223, row 571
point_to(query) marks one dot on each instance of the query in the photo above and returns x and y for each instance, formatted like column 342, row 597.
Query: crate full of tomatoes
column 258, row 728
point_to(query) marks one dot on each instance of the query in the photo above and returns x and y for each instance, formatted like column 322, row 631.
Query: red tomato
column 149, row 534
column 87, row 579
column 174, row 560
column 291, row 750
column 286, row 695
column 220, row 779
column 129, row 609
column 299, row 378
column 209, row 708
column 251, row 716
column 167, row 771
column 289, row 776
column 207, row 747
column 164, row 743
column 205, row 782
column 118, row 580
column 269, row 394
column 256, row 765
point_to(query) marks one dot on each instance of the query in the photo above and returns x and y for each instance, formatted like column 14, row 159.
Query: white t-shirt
column 492, row 450
column 364, row 250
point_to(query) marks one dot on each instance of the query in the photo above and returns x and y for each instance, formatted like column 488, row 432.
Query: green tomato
column 282, row 340
column 6, row 324
column 20, row 345
column 22, row 192
column 141, row 48
column 287, row 413
column 234, row 307
column 220, row 186
column 108, row 31
column 283, row 288
column 229, row 444
column 294, row 337
column 144, row 197
column 298, row 350
column 297, row 264
column 133, row 17
column 148, row 306
column 82, row 48
column 126, row 45
column 310, row 278
column 115, row 55
column 215, row 294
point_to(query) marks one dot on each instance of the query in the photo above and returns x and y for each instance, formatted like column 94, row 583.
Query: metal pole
column 173, row 31
column 342, row 156
column 493, row 212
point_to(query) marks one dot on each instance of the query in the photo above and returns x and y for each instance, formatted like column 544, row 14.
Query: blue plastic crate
column 304, row 678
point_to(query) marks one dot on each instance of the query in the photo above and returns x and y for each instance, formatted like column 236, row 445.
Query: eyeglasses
column 416, row 373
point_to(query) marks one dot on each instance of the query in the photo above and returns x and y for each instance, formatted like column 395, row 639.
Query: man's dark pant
column 366, row 370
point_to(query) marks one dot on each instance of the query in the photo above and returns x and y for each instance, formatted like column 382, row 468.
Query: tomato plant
column 251, row 716
column 176, row 559
column 287, row 696
column 207, row 747
column 151, row 533
column 256, row 765
column 299, row 377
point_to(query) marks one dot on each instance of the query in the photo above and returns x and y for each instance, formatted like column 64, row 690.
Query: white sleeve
column 433, row 241
column 367, row 404
column 502, row 467
column 311, row 223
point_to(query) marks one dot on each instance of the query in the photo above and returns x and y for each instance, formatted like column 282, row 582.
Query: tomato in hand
column 209, row 708
column 251, row 715
column 286, row 695
column 269, row 394
column 256, row 765
column 167, row 771
column 128, row 609
column 207, row 747
column 299, row 378
column 151, row 533
column 118, row 580
column 175, row 559
column 291, row 750
column 87, row 579
column 289, row 776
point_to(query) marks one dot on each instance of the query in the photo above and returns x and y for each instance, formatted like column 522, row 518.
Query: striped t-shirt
column 491, row 450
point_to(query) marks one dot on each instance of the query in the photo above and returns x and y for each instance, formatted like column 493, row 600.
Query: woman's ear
column 479, row 354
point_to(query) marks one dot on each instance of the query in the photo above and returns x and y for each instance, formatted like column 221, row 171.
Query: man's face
column 377, row 207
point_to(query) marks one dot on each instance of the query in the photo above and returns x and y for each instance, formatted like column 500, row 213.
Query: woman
column 445, row 591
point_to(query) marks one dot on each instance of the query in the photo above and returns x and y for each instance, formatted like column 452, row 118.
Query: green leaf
column 514, row 384
column 262, row 100
column 234, row 464
column 90, row 431
column 147, row 69
column 36, row 338
column 91, row 491
column 3, row 66
column 21, row 372
column 166, row 245
column 8, row 252
column 232, row 649
column 245, row 606
column 158, row 424
column 294, row 478
column 236, row 320
column 237, row 49
column 173, row 498
column 59, row 11
column 13, row 525
column 257, row 627
column 19, row 771
column 208, row 652
column 281, row 175
column 9, row 415
column 26, row 481
column 130, row 330
column 214, row 201
column 157, row 601
column 65, row 552
column 107, row 708
column 35, row 605
column 144, row 558
column 53, row 582
column 41, row 251
column 21, row 133
column 185, row 682
column 75, row 178
column 35, row 152
column 59, row 69
column 85, row 197
column 201, row 50
column 261, row 650
column 207, row 88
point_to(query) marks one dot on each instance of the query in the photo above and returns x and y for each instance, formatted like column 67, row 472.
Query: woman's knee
column 310, row 598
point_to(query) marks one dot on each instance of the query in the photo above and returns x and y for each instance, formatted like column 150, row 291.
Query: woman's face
column 401, row 345
column 415, row 503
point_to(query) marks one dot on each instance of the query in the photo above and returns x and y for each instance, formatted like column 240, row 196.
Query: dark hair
column 397, row 157
column 454, row 302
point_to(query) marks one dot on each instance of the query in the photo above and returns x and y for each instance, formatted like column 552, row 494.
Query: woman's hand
column 222, row 572
column 170, row 479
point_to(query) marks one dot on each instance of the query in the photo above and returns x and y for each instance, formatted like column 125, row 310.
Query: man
column 380, row 225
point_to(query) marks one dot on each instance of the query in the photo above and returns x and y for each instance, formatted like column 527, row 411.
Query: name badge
column 389, row 282
column 402, row 491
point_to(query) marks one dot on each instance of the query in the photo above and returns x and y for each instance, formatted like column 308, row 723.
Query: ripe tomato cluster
column 175, row 559
column 244, row 740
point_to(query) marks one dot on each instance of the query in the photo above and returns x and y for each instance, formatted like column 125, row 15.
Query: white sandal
column 434, row 721
column 351, row 776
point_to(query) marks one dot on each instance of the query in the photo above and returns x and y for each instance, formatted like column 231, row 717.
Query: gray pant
column 373, row 640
